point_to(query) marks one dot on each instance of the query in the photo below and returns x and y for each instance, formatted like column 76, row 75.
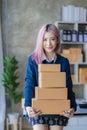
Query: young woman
column 46, row 52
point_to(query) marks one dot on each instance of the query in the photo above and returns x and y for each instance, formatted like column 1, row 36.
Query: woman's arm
column 69, row 85
column 30, row 83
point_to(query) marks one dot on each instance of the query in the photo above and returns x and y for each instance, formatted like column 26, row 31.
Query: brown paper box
column 66, row 51
column 73, row 76
column 83, row 75
column 83, row 78
column 73, row 57
column 51, row 106
column 82, row 70
column 52, row 79
column 49, row 67
column 75, row 50
column 52, row 93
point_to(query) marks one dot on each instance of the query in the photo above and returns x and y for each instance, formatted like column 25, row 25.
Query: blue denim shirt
column 31, row 79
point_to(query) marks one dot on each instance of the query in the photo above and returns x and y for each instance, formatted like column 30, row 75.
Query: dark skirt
column 49, row 120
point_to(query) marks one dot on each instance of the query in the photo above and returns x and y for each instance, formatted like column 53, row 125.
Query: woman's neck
column 49, row 56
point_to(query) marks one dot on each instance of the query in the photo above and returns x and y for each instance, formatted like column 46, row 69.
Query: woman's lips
column 49, row 47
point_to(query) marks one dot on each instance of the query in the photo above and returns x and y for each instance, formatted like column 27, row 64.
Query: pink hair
column 38, row 52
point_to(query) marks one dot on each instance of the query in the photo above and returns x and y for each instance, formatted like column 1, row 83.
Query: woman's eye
column 53, row 39
column 45, row 40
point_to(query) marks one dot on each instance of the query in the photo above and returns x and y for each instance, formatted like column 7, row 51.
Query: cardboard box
column 73, row 76
column 49, row 67
column 52, row 79
column 66, row 51
column 83, row 78
column 83, row 75
column 79, row 57
column 82, row 70
column 75, row 50
column 73, row 57
column 51, row 106
column 52, row 93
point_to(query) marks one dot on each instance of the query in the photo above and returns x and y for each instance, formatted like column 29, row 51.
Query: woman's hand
column 33, row 112
column 68, row 113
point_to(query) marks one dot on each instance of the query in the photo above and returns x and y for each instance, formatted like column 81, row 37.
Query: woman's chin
column 49, row 51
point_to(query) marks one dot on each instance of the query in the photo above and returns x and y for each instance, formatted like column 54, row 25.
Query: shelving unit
column 79, row 121
column 78, row 26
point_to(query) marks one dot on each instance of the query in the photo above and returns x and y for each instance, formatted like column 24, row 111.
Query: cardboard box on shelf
column 73, row 57
column 51, row 106
column 83, row 78
column 79, row 57
column 66, row 51
column 49, row 67
column 83, row 75
column 52, row 93
column 82, row 70
column 52, row 79
column 75, row 50
column 73, row 76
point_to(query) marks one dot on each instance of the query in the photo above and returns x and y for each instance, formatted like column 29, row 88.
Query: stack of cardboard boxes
column 51, row 94
column 73, row 54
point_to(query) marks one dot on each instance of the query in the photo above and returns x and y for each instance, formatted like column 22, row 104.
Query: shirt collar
column 53, row 58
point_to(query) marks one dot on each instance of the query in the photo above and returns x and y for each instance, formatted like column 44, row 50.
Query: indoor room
column 59, row 88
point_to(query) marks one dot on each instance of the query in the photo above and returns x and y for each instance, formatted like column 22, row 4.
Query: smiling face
column 50, row 42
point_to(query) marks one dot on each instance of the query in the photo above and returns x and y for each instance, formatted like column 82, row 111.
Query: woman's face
column 50, row 42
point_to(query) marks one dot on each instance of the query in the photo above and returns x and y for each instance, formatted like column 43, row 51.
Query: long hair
column 38, row 52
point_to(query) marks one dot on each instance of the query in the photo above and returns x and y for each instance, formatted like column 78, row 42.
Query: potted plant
column 10, row 82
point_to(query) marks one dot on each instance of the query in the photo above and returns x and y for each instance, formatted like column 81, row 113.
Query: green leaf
column 10, row 78
column 18, row 98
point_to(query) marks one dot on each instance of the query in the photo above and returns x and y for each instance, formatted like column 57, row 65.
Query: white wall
column 2, row 91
